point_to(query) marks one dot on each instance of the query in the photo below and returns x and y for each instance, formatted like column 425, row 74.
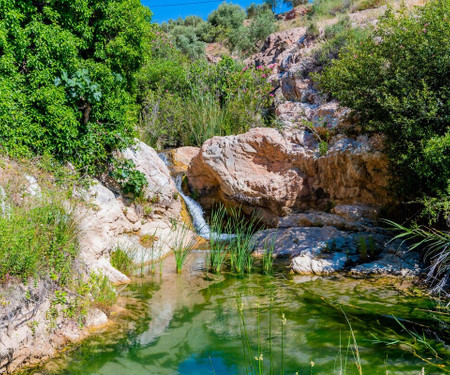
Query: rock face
column 107, row 220
column 178, row 159
column 277, row 173
column 112, row 220
column 100, row 229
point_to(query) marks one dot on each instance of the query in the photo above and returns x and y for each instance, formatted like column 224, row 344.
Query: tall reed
column 182, row 246
column 268, row 250
column 218, row 247
column 241, row 246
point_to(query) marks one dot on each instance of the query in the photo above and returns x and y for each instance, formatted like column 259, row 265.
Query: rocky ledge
column 276, row 173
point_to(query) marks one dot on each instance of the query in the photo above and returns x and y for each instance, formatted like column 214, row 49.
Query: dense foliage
column 207, row 100
column 398, row 84
column 67, row 76
column 226, row 25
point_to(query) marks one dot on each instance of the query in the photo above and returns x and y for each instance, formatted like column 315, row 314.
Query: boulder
column 180, row 158
column 273, row 174
column 393, row 261
column 161, row 189
column 322, row 219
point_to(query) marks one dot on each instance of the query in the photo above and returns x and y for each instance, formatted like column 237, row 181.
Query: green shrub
column 187, row 41
column 227, row 17
column 312, row 31
column 247, row 39
column 254, row 9
column 398, row 84
column 131, row 180
column 39, row 238
column 337, row 38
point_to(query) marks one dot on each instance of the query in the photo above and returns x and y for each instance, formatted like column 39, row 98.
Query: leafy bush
column 227, row 17
column 187, row 41
column 247, row 39
column 67, row 76
column 222, row 99
column 398, row 84
column 225, row 24
column 337, row 38
column 254, row 9
column 131, row 180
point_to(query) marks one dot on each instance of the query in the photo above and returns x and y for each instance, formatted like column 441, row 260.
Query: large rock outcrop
column 277, row 173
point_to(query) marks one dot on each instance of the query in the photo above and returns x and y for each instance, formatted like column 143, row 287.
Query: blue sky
column 162, row 12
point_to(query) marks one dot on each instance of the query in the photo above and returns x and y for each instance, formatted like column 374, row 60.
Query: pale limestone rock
column 397, row 261
column 161, row 189
column 95, row 318
column 355, row 212
column 101, row 222
column 182, row 156
column 320, row 219
column 269, row 173
column 325, row 250
column 131, row 214
column 33, row 188
column 279, row 47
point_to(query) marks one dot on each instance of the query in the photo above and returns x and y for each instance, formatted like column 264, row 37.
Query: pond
column 193, row 324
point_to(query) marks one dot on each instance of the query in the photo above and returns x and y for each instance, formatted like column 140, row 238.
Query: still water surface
column 191, row 325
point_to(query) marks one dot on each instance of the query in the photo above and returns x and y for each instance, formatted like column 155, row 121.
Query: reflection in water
column 190, row 325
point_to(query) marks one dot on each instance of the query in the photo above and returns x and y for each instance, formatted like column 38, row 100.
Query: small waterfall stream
column 196, row 210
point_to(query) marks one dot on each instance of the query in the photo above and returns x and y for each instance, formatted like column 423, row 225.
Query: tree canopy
column 67, row 72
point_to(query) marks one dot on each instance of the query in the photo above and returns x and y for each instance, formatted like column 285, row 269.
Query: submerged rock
column 325, row 250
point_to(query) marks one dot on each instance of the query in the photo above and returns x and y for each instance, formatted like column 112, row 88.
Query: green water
column 186, row 324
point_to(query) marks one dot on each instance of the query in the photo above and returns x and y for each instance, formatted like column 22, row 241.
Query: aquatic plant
column 183, row 244
column 241, row 246
column 269, row 247
column 218, row 248
column 362, row 248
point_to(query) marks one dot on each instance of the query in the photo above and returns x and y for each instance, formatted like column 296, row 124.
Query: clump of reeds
column 267, row 257
column 183, row 245
column 218, row 247
column 241, row 246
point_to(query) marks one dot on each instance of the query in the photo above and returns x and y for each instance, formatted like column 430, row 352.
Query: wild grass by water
column 183, row 245
column 435, row 246
column 239, row 245
column 218, row 247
